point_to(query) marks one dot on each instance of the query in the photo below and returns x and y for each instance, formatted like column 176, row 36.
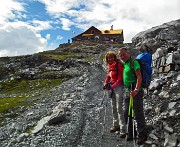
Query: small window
column 96, row 37
column 92, row 32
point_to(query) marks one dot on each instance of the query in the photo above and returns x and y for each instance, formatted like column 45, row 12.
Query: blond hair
column 108, row 54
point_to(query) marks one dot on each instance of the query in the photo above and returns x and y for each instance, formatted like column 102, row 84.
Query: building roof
column 87, row 34
column 106, row 32
column 112, row 31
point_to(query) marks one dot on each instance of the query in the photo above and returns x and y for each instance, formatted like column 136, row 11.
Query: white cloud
column 4, row 53
column 20, row 41
column 59, row 37
column 41, row 25
column 139, row 14
column 6, row 10
column 66, row 24
column 17, row 37
column 48, row 36
column 60, row 8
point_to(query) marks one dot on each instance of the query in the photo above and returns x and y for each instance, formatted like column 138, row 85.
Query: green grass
column 75, row 45
column 29, row 130
column 24, row 91
column 88, row 59
column 102, row 57
column 24, row 87
column 52, row 55
column 9, row 103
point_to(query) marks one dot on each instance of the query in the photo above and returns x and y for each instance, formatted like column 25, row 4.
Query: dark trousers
column 138, row 112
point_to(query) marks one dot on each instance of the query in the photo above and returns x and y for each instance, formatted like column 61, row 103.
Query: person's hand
column 105, row 86
column 134, row 92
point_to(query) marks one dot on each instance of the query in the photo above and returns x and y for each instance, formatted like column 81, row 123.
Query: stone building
column 95, row 35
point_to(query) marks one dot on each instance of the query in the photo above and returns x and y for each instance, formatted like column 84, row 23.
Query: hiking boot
column 114, row 129
column 122, row 133
column 141, row 139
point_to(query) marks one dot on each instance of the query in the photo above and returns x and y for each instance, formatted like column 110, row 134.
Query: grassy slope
column 18, row 91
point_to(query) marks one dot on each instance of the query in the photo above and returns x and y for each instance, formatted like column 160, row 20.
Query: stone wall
column 164, row 62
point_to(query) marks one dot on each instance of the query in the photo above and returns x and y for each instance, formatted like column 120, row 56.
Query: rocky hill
column 162, row 104
column 53, row 98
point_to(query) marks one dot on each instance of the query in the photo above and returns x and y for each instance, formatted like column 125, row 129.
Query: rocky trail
column 71, row 115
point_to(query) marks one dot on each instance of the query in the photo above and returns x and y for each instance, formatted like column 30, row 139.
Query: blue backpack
column 145, row 61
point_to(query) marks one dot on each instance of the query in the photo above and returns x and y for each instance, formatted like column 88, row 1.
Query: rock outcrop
column 164, row 98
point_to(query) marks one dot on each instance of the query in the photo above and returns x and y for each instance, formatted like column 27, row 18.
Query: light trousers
column 117, row 107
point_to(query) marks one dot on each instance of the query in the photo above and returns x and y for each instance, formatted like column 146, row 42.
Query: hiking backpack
column 145, row 61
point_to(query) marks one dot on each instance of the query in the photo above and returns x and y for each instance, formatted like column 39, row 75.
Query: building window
column 92, row 32
column 106, row 38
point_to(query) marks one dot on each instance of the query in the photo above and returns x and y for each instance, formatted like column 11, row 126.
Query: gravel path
column 83, row 128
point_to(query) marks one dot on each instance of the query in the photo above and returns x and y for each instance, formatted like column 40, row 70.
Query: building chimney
column 112, row 27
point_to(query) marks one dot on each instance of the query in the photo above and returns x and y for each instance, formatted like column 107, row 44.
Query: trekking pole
column 130, row 114
column 99, row 105
column 103, row 99
column 133, row 120
column 127, row 127
column 105, row 111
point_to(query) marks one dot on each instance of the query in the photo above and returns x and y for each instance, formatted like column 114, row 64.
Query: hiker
column 133, row 87
column 114, row 84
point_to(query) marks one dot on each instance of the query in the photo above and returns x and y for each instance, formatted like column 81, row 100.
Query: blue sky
column 31, row 26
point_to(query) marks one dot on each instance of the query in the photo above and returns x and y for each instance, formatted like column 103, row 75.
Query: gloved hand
column 107, row 86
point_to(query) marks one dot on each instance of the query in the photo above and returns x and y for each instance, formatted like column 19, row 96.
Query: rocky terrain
column 54, row 98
